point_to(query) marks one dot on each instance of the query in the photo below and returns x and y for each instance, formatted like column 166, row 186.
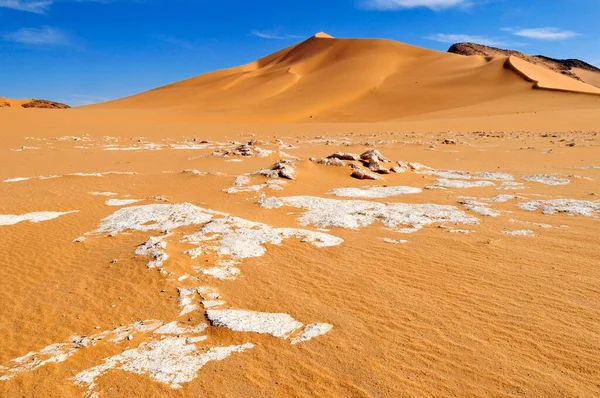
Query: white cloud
column 543, row 33
column 273, row 35
column 35, row 6
column 390, row 5
column 33, row 36
column 461, row 38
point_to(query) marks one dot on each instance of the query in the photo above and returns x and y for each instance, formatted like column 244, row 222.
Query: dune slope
column 360, row 80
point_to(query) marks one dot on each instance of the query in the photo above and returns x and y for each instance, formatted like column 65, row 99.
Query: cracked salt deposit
column 460, row 184
column 172, row 361
column 374, row 192
column 355, row 214
column 277, row 325
column 568, row 206
column 154, row 217
column 239, row 238
column 11, row 219
column 547, row 179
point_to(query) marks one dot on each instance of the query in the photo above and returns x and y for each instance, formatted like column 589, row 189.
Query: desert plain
column 345, row 217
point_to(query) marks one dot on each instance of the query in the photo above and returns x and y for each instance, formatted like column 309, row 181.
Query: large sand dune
column 327, row 79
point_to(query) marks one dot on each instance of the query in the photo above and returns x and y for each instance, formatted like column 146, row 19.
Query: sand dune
column 327, row 79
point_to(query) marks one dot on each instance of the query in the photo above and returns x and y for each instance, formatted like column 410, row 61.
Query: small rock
column 571, row 144
column 344, row 156
column 449, row 141
column 114, row 261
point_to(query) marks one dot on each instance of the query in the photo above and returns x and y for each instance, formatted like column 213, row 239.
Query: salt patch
column 275, row 324
column 510, row 186
column 467, row 175
column 103, row 193
column 174, row 328
column 221, row 273
column 480, row 208
column 239, row 238
column 172, row 361
column 374, row 192
column 154, row 247
column 185, row 300
column 121, row 202
column 519, row 232
column 355, row 214
column 395, row 241
column 535, row 224
column 547, row 179
column 311, row 331
column 60, row 352
column 569, row 206
column 154, row 217
column 11, row 219
column 459, row 184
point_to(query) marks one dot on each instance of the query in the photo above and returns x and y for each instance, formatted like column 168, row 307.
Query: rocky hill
column 567, row 67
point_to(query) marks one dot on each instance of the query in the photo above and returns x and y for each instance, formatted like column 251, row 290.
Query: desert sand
column 206, row 238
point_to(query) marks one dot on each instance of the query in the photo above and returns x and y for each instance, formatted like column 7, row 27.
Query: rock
column 571, row 144
column 312, row 159
column 361, row 174
column 282, row 168
column 398, row 170
column 374, row 153
column 331, row 162
column 344, row 156
column 449, row 141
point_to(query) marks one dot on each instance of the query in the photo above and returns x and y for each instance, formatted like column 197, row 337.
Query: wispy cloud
column 273, row 35
column 391, row 5
column 35, row 6
column 548, row 33
column 37, row 36
column 461, row 38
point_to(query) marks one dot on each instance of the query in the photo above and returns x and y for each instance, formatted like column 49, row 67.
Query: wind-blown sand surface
column 224, row 278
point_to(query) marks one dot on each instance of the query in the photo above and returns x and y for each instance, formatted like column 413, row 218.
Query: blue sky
column 83, row 51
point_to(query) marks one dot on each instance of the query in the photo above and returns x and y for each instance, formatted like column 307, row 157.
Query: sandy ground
column 445, row 314
column 141, row 254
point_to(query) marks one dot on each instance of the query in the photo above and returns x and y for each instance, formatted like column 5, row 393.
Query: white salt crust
column 460, row 184
column 468, row 175
column 19, row 179
column 154, row 217
column 103, row 193
column 11, row 219
column 277, row 325
column 310, row 331
column 568, row 206
column 120, row 202
column 154, row 248
column 172, row 361
column 239, row 238
column 374, row 192
column 355, row 214
column 480, row 208
column 60, row 352
column 547, row 179
column 519, row 232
